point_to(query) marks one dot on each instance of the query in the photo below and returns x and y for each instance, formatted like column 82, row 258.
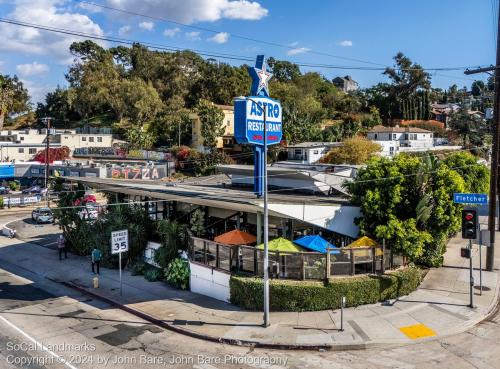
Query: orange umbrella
column 236, row 237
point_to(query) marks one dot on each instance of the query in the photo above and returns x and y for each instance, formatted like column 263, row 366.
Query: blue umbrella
column 316, row 243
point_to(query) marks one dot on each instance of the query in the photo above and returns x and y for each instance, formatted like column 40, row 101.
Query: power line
column 207, row 53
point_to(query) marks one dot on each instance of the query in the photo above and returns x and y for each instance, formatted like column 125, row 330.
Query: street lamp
column 266, row 215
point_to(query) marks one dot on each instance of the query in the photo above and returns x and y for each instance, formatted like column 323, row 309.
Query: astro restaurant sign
column 258, row 115
column 251, row 112
column 249, row 115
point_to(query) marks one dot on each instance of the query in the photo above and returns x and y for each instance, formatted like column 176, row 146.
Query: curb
column 222, row 340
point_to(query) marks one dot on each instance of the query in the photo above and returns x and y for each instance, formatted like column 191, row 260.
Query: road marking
column 60, row 359
column 417, row 331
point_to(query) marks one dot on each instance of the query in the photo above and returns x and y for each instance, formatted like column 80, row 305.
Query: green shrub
column 14, row 186
column 177, row 273
column 287, row 295
column 1, row 202
column 139, row 268
column 153, row 274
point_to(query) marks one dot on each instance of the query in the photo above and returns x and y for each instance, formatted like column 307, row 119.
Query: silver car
column 42, row 215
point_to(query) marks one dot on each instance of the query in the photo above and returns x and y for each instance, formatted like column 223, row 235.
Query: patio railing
column 298, row 265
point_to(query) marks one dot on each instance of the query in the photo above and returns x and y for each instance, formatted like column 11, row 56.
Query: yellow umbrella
column 364, row 242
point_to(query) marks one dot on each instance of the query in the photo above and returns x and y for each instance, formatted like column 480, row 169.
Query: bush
column 153, row 274
column 177, row 273
column 139, row 268
column 14, row 186
column 1, row 202
column 287, row 295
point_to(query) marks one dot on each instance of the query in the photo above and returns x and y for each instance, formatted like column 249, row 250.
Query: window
column 91, row 139
column 228, row 123
column 22, row 138
column 376, row 136
column 84, row 138
column 394, row 136
column 32, row 150
column 99, row 139
column 21, row 150
column 391, row 150
column 316, row 152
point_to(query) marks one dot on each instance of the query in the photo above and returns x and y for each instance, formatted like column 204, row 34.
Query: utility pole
column 46, row 121
column 494, row 183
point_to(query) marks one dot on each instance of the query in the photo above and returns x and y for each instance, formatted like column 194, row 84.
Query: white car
column 89, row 212
column 42, row 215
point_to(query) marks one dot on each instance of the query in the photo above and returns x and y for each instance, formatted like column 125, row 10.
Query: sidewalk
column 438, row 308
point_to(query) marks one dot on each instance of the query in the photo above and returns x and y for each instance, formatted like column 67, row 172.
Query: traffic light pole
column 471, row 287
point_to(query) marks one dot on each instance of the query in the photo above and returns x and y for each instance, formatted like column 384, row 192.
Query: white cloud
column 220, row 38
column 148, row 26
column 193, row 36
column 189, row 11
column 298, row 50
column 293, row 44
column 171, row 32
column 36, row 91
column 45, row 12
column 125, row 30
column 90, row 8
column 32, row 69
column 345, row 43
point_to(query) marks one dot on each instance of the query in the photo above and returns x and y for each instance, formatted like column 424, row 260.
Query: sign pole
column 480, row 262
column 120, row 262
column 471, row 288
column 266, row 229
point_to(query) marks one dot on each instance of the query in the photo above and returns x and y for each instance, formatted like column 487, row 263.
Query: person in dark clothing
column 61, row 246
column 96, row 257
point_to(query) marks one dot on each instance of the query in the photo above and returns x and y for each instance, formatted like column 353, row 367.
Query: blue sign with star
column 251, row 112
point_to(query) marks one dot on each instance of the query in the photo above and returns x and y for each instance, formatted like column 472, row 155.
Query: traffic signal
column 465, row 252
column 469, row 224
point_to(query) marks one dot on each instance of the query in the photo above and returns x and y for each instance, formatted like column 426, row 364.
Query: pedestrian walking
column 61, row 246
column 96, row 259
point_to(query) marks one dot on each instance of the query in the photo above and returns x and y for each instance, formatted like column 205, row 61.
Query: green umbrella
column 282, row 245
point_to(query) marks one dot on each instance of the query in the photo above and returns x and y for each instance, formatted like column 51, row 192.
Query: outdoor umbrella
column 316, row 243
column 364, row 242
column 282, row 245
column 236, row 237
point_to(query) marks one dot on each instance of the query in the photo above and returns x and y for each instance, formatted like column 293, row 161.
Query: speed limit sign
column 119, row 241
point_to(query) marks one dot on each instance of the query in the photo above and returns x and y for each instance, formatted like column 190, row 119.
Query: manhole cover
column 484, row 288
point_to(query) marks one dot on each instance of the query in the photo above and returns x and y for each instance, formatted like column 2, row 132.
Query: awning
column 316, row 243
column 236, row 237
column 282, row 245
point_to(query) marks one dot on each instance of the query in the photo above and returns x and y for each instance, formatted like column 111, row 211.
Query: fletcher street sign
column 470, row 198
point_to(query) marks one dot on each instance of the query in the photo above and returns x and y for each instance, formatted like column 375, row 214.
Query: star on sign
column 264, row 78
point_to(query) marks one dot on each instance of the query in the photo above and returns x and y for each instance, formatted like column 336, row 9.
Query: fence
column 120, row 153
column 300, row 265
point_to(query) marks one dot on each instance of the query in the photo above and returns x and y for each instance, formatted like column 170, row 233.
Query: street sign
column 249, row 120
column 470, row 198
column 119, row 241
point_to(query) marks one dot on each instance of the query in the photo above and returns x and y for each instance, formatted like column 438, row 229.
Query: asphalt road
column 78, row 332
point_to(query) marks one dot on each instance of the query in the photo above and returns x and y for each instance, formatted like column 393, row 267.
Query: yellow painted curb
column 417, row 331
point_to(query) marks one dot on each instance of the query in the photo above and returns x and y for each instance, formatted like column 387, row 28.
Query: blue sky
column 435, row 33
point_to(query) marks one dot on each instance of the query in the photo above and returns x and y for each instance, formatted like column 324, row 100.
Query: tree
column 355, row 151
column 173, row 239
column 138, row 138
column 13, row 97
column 476, row 176
column 55, row 154
column 467, row 126
column 212, row 127
column 408, row 201
column 477, row 88
column 197, row 222
column 283, row 71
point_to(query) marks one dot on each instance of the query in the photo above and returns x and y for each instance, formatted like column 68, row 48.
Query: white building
column 22, row 145
column 401, row 139
column 309, row 152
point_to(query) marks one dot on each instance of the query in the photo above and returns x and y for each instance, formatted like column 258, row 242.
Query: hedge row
column 287, row 295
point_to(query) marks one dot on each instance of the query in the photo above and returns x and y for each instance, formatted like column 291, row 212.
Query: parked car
column 42, row 215
column 33, row 190
column 4, row 190
column 90, row 212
